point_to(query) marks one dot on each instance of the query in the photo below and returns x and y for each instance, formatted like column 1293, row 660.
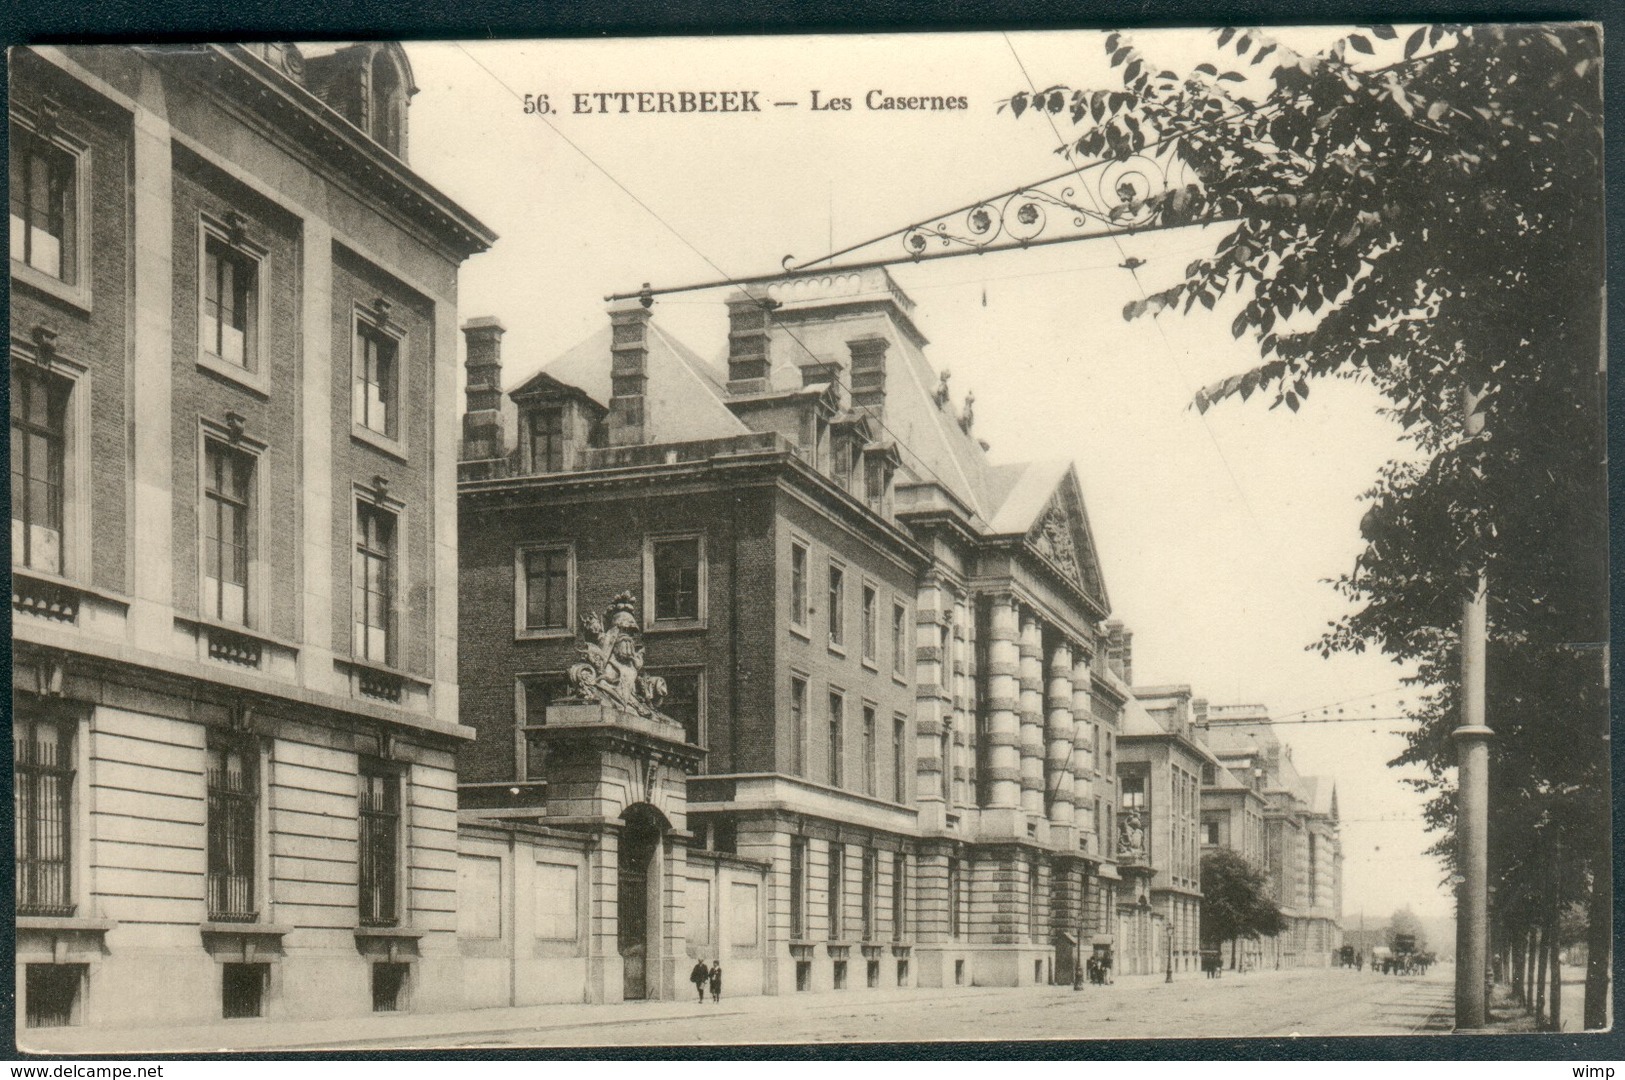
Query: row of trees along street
column 1423, row 210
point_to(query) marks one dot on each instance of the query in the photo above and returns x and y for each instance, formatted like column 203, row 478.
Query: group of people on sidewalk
column 703, row 976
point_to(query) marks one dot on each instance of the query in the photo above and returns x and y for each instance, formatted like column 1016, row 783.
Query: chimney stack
column 748, row 362
column 1120, row 651
column 482, row 421
column 628, row 372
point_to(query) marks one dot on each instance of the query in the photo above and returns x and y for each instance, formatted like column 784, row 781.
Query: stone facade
column 1302, row 849
column 231, row 800
column 885, row 651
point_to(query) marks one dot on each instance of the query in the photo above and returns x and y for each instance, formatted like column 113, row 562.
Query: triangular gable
column 1061, row 536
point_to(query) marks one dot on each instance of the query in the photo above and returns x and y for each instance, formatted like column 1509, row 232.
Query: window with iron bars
column 233, row 816
column 380, row 839
column 43, row 801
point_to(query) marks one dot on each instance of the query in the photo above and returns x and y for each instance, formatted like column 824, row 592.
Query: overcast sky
column 1216, row 533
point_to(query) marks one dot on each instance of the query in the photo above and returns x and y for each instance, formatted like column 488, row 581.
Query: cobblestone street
column 1260, row 1005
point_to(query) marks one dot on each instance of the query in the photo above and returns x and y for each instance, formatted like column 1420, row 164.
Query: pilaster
column 316, row 464
column 153, row 211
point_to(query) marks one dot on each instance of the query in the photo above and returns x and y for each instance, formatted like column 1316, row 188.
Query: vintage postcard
column 804, row 539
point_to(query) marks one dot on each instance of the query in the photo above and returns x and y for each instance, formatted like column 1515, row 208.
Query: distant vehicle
column 1345, row 956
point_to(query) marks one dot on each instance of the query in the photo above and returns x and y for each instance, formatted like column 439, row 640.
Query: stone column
column 1003, row 729
column 1084, row 789
column 960, row 688
column 1032, row 715
column 931, row 692
column 1058, row 782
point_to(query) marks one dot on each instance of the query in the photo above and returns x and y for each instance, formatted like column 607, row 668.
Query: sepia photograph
column 846, row 538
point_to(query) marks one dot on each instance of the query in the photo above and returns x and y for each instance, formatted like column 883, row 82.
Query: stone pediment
column 1060, row 535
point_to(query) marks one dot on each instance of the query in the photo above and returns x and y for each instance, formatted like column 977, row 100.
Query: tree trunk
column 1540, row 978
column 1556, row 996
column 1599, row 942
column 1517, row 966
column 1530, row 948
column 1234, row 942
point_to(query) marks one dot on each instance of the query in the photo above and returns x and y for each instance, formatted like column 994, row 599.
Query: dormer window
column 387, row 105
column 547, row 439
column 874, row 482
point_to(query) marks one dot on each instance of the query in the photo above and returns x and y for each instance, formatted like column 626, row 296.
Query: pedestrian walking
column 699, row 977
column 716, row 981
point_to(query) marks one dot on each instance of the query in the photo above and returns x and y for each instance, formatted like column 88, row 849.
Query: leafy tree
column 1236, row 902
column 1404, row 921
column 1424, row 212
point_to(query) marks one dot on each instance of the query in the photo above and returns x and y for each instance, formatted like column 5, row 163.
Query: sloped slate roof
column 683, row 402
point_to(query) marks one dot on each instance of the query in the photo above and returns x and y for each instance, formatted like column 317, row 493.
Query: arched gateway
column 638, row 899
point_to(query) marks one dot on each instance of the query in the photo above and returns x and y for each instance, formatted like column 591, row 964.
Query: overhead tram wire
column 728, row 279
column 1134, row 271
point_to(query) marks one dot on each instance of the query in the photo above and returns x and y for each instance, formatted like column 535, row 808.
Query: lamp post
column 1170, row 976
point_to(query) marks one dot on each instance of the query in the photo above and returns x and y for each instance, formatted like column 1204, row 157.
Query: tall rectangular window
column 547, row 440
column 954, row 889
column 39, row 440
column 42, row 809
column 871, row 887
column 798, row 584
column 869, row 750
column 798, row 887
column 947, row 752
column 798, row 725
column 1133, row 788
column 234, row 797
column 1035, row 903
column 837, row 889
column 377, row 379
column 547, row 588
column 899, row 896
column 374, row 582
column 683, row 701
column 899, row 639
column 228, row 510
column 677, row 578
column 230, row 302
column 837, row 606
column 899, row 739
column 837, row 719
column 871, row 624
column 380, row 844
column 44, row 206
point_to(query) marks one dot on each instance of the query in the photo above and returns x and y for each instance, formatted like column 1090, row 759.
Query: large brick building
column 233, row 365
column 885, row 653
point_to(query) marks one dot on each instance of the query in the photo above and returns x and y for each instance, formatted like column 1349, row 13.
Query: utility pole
column 1473, row 789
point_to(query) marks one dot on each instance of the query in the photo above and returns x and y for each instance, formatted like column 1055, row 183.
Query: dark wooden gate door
column 638, row 843
column 633, row 898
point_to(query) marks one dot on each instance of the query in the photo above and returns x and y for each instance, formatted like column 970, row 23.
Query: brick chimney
column 628, row 373
column 748, row 362
column 482, row 421
column 868, row 372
